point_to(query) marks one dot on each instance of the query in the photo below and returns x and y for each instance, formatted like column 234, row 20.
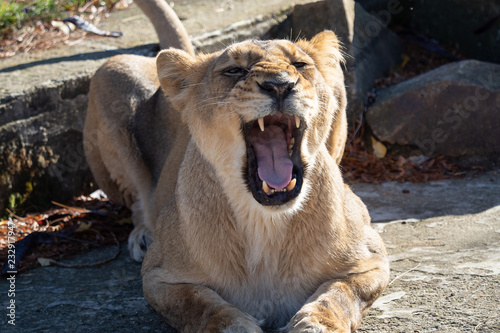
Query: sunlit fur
column 220, row 261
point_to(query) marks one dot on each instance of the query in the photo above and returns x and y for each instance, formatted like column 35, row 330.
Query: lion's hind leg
column 112, row 154
column 115, row 176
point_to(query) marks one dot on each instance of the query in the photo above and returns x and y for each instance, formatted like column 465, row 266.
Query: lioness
column 229, row 162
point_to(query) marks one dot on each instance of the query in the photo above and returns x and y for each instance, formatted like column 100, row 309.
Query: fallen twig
column 76, row 209
column 403, row 274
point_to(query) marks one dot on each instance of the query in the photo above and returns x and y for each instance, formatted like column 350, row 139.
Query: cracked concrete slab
column 445, row 275
column 445, row 270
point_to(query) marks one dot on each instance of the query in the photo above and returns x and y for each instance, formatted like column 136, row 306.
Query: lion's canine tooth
column 265, row 187
column 291, row 184
column 261, row 123
column 297, row 121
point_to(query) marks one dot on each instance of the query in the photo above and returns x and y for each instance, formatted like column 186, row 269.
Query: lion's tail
column 170, row 30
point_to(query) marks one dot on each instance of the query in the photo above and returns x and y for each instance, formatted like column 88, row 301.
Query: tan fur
column 221, row 261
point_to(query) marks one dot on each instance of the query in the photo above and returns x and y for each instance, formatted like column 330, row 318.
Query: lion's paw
column 312, row 324
column 305, row 326
column 138, row 242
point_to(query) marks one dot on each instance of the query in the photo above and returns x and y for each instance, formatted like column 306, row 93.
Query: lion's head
column 259, row 111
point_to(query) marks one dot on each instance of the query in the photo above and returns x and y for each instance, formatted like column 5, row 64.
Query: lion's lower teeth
column 269, row 190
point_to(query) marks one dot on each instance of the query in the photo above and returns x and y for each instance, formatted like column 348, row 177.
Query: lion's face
column 259, row 110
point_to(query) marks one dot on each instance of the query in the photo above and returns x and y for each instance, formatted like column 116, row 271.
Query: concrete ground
column 443, row 237
column 444, row 246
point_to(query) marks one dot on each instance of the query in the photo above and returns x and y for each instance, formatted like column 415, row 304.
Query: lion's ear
column 174, row 67
column 327, row 43
column 325, row 49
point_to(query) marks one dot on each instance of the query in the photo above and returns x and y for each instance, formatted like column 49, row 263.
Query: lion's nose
column 277, row 89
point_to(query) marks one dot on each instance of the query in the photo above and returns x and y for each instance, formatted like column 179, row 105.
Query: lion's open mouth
column 274, row 170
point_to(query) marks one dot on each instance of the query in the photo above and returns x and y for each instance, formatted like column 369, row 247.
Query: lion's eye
column 235, row 71
column 299, row 64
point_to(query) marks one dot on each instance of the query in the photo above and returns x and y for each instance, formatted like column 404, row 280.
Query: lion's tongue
column 273, row 164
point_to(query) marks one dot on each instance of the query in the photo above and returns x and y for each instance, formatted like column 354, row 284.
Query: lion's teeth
column 297, row 121
column 290, row 147
column 261, row 123
column 265, row 187
column 291, row 185
column 269, row 190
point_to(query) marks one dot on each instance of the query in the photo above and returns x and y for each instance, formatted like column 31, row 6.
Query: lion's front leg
column 195, row 308
column 338, row 305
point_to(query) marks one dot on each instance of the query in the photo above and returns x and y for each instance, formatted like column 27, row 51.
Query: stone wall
column 41, row 143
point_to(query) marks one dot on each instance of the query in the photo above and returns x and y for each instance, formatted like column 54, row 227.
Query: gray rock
column 374, row 47
column 453, row 110
column 370, row 5
column 473, row 26
column 371, row 49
